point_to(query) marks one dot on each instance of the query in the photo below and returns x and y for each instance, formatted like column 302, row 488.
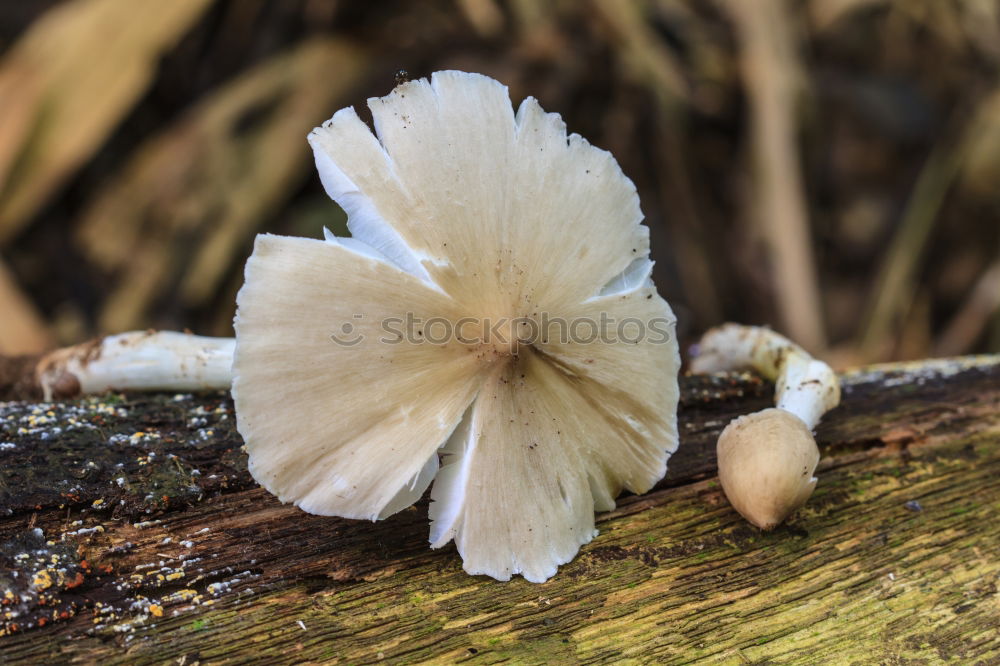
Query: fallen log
column 130, row 531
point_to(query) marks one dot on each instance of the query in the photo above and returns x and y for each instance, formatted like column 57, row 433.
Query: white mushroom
column 467, row 216
column 462, row 215
column 767, row 459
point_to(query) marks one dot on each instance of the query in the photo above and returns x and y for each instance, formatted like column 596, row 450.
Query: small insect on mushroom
column 767, row 459
column 469, row 218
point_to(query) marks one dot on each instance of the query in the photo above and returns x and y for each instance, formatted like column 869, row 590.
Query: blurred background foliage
column 828, row 167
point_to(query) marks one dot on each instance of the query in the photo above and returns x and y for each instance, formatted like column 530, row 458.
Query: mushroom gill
column 489, row 327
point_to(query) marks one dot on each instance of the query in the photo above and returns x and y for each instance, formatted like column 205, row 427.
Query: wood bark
column 130, row 532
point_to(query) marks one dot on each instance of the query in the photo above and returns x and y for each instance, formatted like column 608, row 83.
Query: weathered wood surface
column 130, row 532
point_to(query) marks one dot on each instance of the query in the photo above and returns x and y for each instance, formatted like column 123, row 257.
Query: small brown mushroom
column 767, row 459
column 766, row 465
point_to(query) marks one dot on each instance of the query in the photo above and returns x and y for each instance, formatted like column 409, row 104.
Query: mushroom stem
column 137, row 361
column 803, row 386
column 766, row 459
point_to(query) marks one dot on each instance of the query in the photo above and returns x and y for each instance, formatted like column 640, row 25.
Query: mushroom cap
column 461, row 210
column 766, row 464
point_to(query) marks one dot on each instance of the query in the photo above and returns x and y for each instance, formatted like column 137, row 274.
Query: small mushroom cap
column 766, row 465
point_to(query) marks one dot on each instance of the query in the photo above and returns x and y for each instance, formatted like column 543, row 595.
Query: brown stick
column 768, row 72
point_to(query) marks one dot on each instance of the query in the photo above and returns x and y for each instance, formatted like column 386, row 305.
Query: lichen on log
column 129, row 525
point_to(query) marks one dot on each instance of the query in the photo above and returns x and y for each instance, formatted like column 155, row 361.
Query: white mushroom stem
column 803, row 386
column 766, row 459
column 138, row 361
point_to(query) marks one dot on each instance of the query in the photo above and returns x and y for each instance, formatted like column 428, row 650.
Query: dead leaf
column 191, row 198
column 68, row 82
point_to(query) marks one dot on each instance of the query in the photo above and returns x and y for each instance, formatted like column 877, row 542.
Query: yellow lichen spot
column 175, row 575
column 98, row 502
column 182, row 595
column 156, row 610
column 42, row 580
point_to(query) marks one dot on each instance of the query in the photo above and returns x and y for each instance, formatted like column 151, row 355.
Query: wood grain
column 892, row 560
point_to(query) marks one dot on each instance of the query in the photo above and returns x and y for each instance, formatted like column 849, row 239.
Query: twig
column 767, row 63
column 974, row 316
column 894, row 287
